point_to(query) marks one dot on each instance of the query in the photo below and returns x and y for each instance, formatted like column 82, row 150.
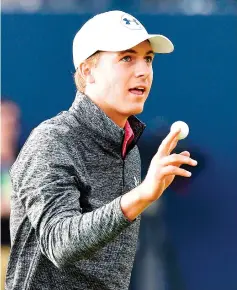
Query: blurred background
column 188, row 239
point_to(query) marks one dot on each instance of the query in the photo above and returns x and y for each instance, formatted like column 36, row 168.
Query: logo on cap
column 130, row 22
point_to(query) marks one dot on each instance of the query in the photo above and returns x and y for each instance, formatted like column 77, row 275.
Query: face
column 122, row 80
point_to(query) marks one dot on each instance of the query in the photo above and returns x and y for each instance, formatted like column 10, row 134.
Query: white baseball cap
column 114, row 31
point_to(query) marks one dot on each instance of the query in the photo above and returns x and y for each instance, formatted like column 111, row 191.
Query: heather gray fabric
column 67, row 227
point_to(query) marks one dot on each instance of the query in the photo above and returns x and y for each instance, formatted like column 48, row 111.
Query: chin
column 136, row 110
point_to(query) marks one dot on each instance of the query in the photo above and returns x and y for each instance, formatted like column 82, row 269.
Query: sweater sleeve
column 45, row 181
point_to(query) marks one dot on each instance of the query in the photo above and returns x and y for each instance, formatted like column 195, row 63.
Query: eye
column 149, row 59
column 126, row 58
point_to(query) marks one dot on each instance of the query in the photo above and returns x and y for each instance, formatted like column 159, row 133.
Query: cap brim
column 160, row 43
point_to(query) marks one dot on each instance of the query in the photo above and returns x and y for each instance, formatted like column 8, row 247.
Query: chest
column 105, row 176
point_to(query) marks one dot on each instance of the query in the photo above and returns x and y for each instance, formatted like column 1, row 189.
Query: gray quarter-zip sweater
column 67, row 227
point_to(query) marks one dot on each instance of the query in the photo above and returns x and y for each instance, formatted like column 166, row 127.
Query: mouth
column 139, row 91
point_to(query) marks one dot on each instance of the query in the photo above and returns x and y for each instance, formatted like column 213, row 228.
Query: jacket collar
column 97, row 122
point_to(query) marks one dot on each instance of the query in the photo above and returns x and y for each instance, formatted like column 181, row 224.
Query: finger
column 173, row 170
column 177, row 159
column 166, row 143
column 173, row 145
column 185, row 153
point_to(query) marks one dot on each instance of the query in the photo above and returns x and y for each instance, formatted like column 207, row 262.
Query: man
column 77, row 194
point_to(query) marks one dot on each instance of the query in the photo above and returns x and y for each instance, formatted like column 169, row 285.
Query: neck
column 117, row 118
column 114, row 116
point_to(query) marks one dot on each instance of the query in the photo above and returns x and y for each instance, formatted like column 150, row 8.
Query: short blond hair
column 78, row 78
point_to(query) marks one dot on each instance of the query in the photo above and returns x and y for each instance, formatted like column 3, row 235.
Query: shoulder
column 60, row 128
column 52, row 137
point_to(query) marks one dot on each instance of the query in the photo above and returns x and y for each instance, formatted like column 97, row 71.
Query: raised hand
column 164, row 167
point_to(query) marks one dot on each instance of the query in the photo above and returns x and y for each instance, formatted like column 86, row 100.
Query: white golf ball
column 184, row 129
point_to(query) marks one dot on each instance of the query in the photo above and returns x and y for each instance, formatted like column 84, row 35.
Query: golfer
column 77, row 190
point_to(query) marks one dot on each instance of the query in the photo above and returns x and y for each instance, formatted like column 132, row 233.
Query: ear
column 86, row 72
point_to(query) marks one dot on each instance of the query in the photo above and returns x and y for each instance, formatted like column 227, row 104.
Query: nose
column 142, row 69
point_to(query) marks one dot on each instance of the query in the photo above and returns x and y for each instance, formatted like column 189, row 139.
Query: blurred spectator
column 10, row 114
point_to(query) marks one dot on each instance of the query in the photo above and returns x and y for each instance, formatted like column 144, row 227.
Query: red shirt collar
column 128, row 137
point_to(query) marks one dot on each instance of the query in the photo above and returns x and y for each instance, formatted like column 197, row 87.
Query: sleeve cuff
column 120, row 213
